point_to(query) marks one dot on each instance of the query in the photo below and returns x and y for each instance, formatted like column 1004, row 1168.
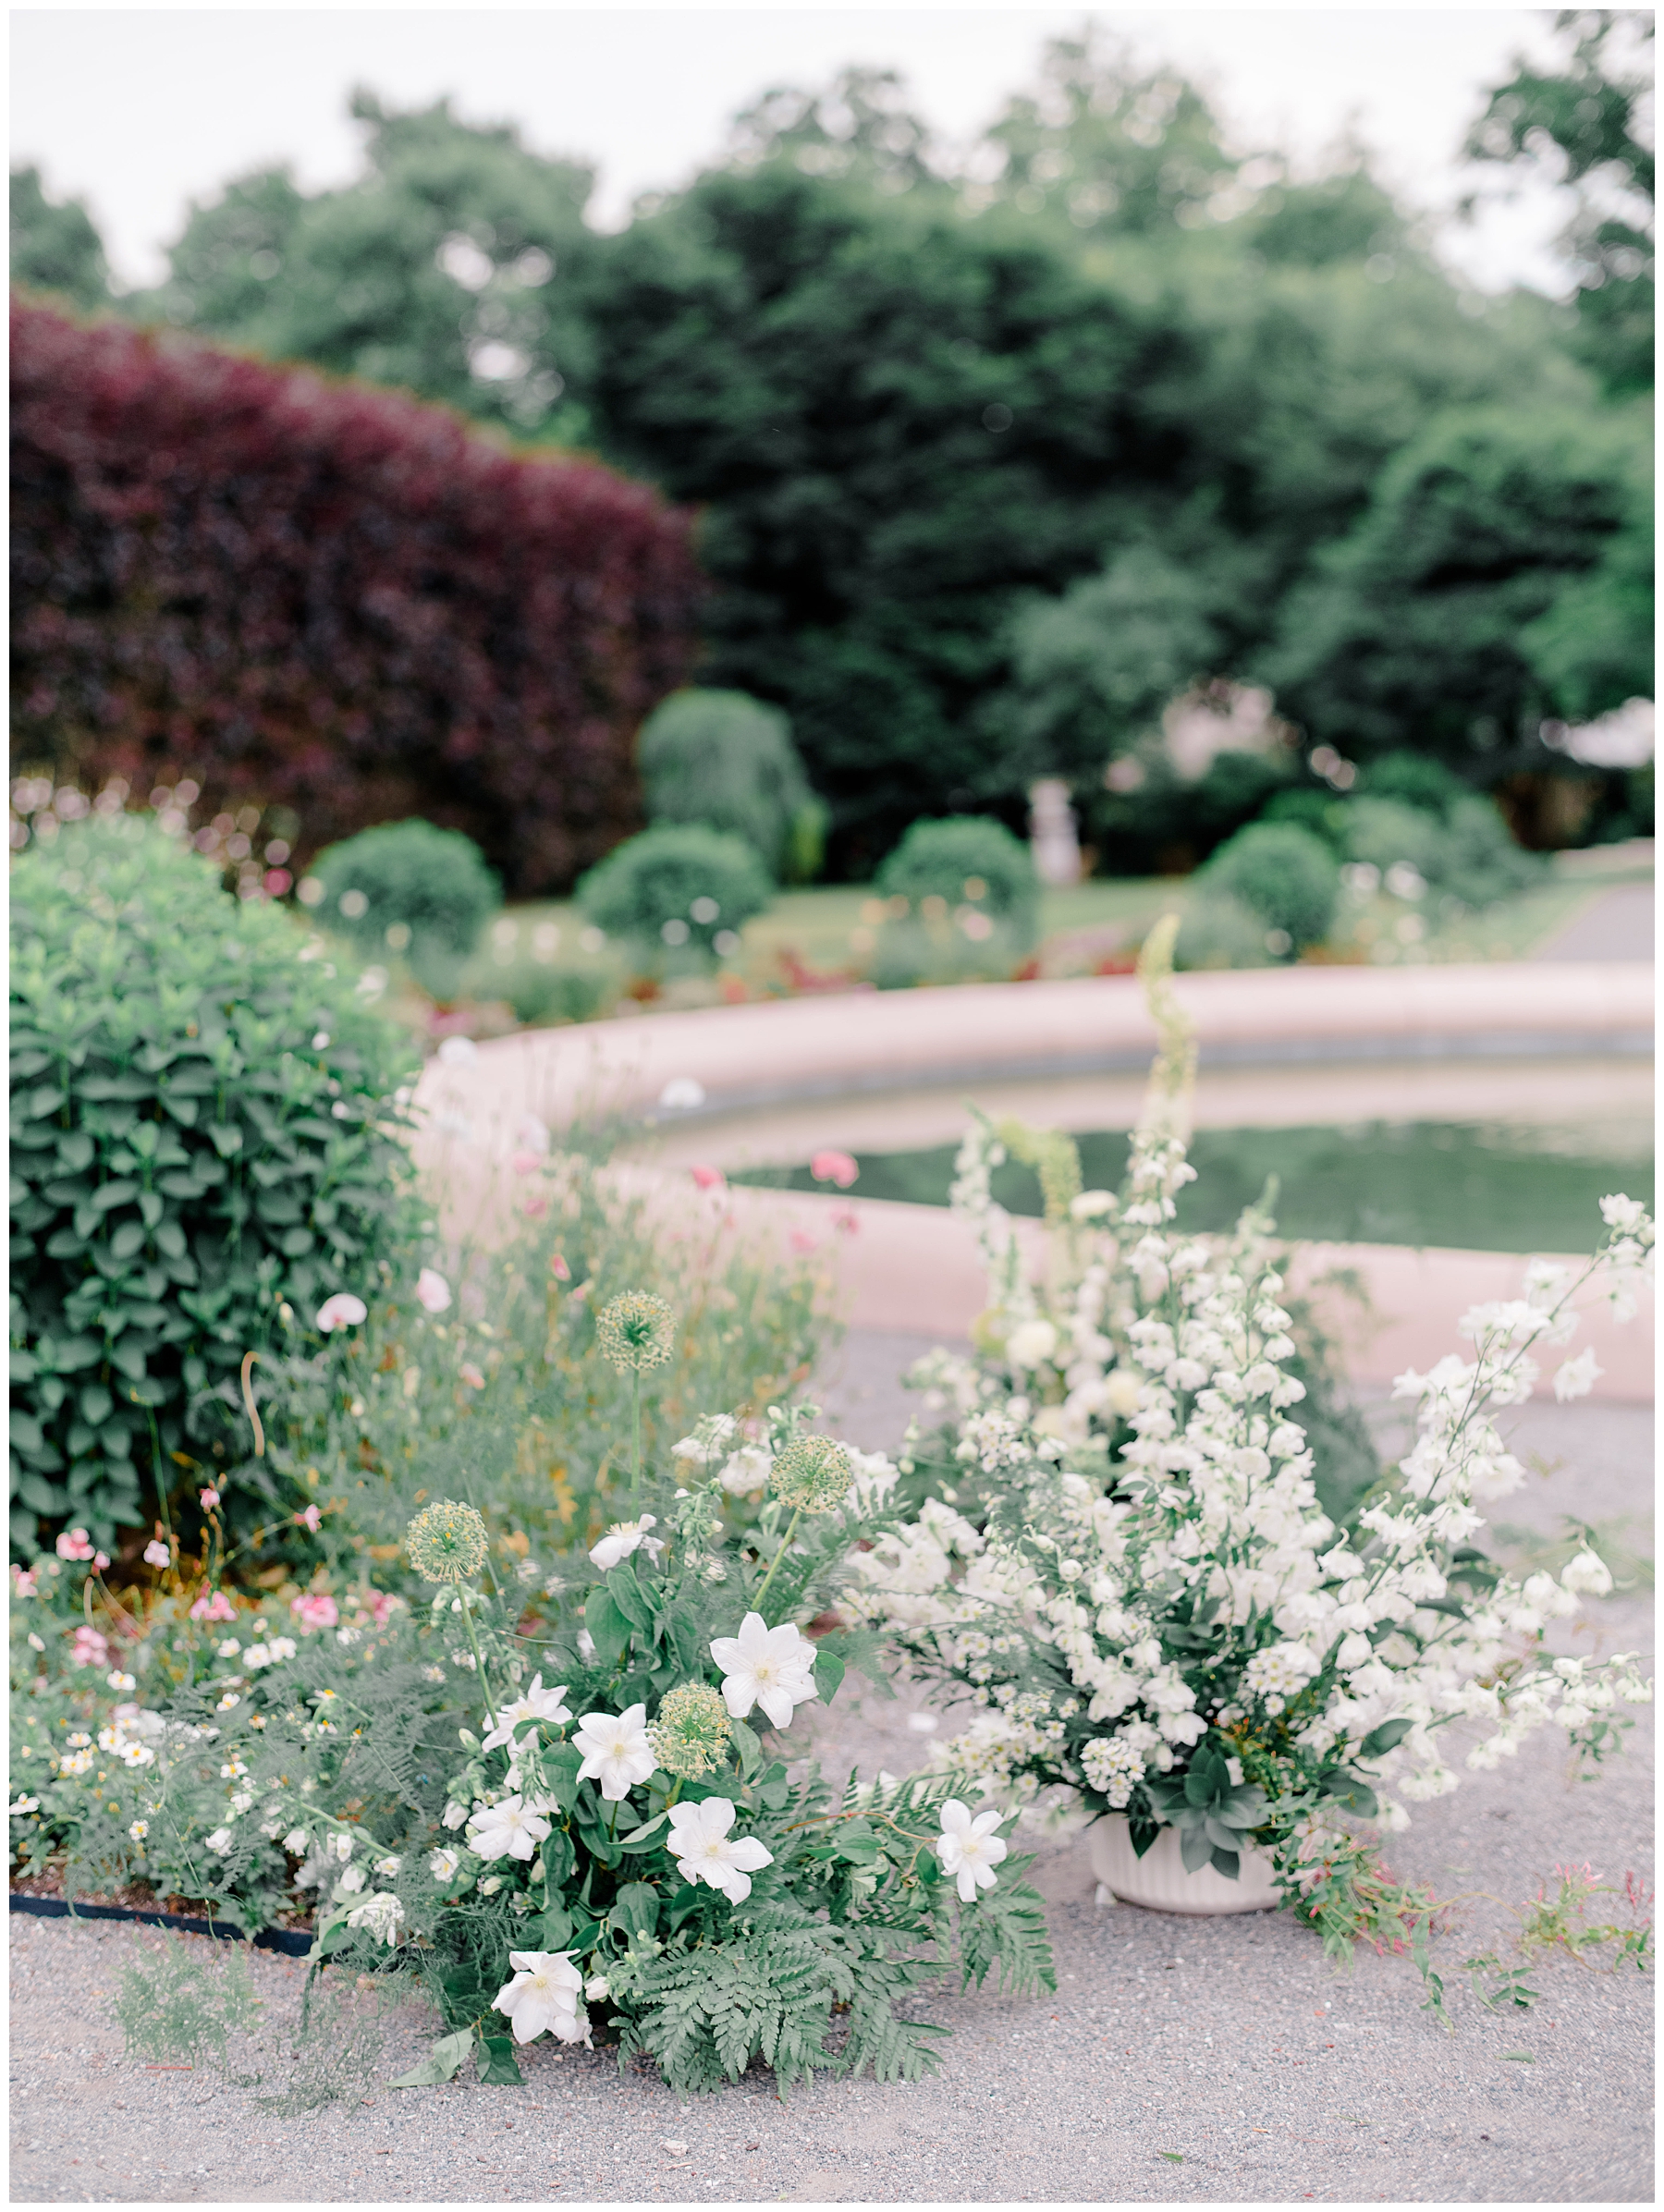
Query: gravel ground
column 1617, row 926
column 1181, row 2061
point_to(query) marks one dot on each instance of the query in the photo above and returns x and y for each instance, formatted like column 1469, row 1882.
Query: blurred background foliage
column 994, row 457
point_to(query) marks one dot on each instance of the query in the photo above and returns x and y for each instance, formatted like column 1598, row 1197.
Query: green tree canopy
column 54, row 246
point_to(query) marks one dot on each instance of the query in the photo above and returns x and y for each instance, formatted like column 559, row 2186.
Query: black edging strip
column 297, row 1942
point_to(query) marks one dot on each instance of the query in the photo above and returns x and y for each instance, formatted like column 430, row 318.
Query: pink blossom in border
column 309, row 1520
column 213, row 1604
column 709, row 1178
column 74, row 1543
column 432, row 1291
column 342, row 1311
column 92, row 1649
column 314, row 1609
column 833, row 1168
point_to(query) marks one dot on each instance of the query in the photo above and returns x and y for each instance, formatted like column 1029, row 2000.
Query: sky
column 140, row 110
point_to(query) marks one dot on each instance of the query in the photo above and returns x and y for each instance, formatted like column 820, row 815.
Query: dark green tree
column 1588, row 125
column 54, row 245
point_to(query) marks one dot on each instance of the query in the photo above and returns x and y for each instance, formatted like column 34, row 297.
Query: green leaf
column 1383, row 1739
column 441, row 2065
column 128, row 1241
column 609, row 1628
column 828, row 1674
column 630, row 1598
column 548, row 1930
column 636, row 1909
column 748, row 1744
column 495, row 2062
column 226, row 1141
column 639, row 1838
column 1176, row 2157
column 1523, row 2057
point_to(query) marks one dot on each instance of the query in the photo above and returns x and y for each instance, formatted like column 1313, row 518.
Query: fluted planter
column 1159, row 1881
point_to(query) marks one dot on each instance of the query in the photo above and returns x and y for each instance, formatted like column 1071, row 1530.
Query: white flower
column 509, row 1830
column 23, row 1806
column 454, row 1815
column 442, row 1864
column 122, row 1681
column 350, row 1882
column 342, row 1311
column 596, row 1988
column 536, row 1704
column 621, row 1539
column 968, row 1848
column 745, row 1469
column 1588, row 1575
column 156, row 1553
column 1576, row 1378
column 219, row 1843
column 1122, row 1389
column 1031, row 1343
column 1622, row 1214
column 387, row 1867
column 380, row 1914
column 138, row 1830
column 432, row 1290
column 545, row 1993
column 459, row 1052
column 616, row 1751
column 704, row 1851
column 771, row 1667
column 296, row 1841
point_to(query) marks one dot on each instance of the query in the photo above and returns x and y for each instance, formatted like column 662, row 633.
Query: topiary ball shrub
column 205, row 1145
column 408, row 888
column 966, row 864
column 1384, row 834
column 1282, row 874
column 1414, row 779
column 726, row 760
column 1220, row 932
column 678, row 895
column 1320, row 811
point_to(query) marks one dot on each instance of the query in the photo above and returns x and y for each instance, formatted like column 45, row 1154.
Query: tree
column 1588, row 126
column 1457, row 615
column 446, row 269
column 55, row 246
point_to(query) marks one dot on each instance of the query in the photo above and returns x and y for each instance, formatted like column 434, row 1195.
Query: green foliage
column 1282, row 874
column 1388, row 832
column 1413, row 779
column 677, row 886
column 1468, row 854
column 186, row 2002
column 1214, row 1815
column 55, row 246
column 205, row 1136
column 1219, row 931
column 967, row 861
column 410, row 888
column 544, row 994
column 727, row 760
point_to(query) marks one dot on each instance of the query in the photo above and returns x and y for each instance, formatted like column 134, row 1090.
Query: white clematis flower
column 624, row 1537
column 536, row 1704
column 509, row 1830
column 771, row 1667
column 380, row 1914
column 616, row 1751
column 545, row 1993
column 969, row 1848
column 704, row 1851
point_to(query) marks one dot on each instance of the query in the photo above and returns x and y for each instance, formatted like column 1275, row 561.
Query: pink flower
column 23, row 1582
column 558, row 1269
column 92, row 1649
column 101, row 1560
column 471, row 1375
column 380, row 1606
column 536, row 1206
column 210, row 1499
column 579, row 1294
column 342, row 1311
column 801, row 1241
column 156, row 1553
column 847, row 1222
column 527, row 1163
column 833, row 1168
column 709, row 1178
column 74, row 1543
column 432, row 1290
column 213, row 1605
column 309, row 1520
column 316, row 1609
column 533, row 1135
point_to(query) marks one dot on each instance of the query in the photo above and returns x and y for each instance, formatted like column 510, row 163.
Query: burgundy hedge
column 323, row 596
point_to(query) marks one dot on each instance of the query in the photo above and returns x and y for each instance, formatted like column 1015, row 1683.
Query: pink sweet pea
column 316, row 1609
column 536, row 1206
column 341, row 1311
column 833, row 1168
column 309, row 1520
column 92, row 1649
column 803, row 1242
column 210, row 1499
column 23, row 1581
column 470, row 1374
column 432, row 1290
column 558, row 1269
column 527, row 1163
column 156, row 1553
column 213, row 1605
column 709, row 1178
column 74, row 1543
column 380, row 1606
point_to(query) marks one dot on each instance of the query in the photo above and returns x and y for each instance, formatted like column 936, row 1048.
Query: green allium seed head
column 446, row 1542
column 637, row 1331
column 812, row 1474
column 691, row 1734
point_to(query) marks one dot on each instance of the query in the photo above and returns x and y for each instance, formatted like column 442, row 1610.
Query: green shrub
column 1220, row 932
column 679, row 888
column 409, row 888
column 1385, row 834
column 725, row 759
column 1484, row 863
column 1414, row 779
column 966, row 862
column 1282, row 874
column 911, row 952
column 544, row 994
column 204, row 1128
column 1319, row 812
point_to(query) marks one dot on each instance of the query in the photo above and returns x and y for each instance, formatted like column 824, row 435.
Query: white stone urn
column 1160, row 1881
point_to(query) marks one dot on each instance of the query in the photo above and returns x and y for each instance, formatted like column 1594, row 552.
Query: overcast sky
column 140, row 110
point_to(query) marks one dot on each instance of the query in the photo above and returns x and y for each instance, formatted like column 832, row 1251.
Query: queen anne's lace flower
column 812, row 1474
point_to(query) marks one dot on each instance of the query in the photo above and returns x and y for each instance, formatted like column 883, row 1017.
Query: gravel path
column 1182, row 2060
column 1617, row 926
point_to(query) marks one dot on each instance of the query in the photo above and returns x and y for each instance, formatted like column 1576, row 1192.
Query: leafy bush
column 328, row 597
column 205, row 1132
column 1484, row 863
column 1320, row 811
column 409, row 888
column 1384, row 834
column 726, row 760
column 545, row 994
column 1218, row 931
column 966, row 864
column 1282, row 874
column 1414, row 779
column 681, row 888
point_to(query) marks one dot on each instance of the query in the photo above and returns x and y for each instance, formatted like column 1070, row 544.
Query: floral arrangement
column 623, row 1841
column 1172, row 1631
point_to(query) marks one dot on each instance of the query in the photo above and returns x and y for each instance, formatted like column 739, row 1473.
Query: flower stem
column 774, row 1563
column 635, row 1480
column 473, row 1645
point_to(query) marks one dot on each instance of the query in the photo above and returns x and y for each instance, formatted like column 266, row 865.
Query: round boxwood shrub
column 1386, row 834
column 409, row 888
column 967, row 862
column 1414, row 779
column 678, row 888
column 726, row 760
column 1282, row 874
column 205, row 1132
column 1220, row 932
